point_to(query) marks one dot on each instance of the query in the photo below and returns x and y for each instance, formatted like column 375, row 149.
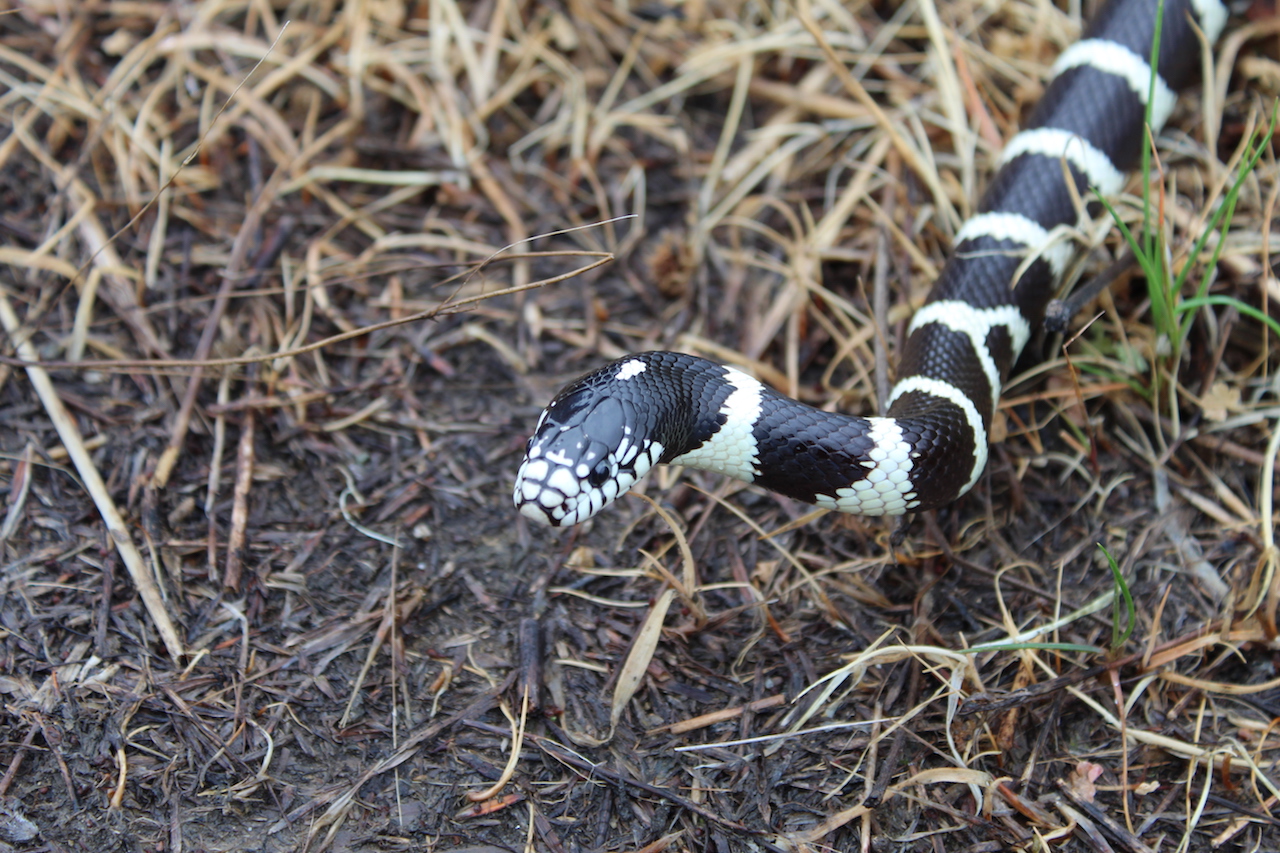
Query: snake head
column 582, row 455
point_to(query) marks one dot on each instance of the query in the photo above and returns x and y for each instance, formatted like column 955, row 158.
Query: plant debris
column 286, row 285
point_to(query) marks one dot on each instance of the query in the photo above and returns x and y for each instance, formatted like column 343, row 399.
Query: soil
column 353, row 642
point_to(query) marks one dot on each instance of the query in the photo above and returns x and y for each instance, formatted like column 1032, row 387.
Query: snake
column 604, row 431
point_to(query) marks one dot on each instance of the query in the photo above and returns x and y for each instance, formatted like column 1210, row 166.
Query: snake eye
column 600, row 474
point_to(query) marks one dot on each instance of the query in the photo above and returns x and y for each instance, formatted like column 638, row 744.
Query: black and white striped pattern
column 604, row 432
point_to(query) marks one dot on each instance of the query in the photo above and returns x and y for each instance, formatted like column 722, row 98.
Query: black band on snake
column 604, row 431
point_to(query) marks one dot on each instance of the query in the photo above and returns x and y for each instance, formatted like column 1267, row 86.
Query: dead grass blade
column 142, row 578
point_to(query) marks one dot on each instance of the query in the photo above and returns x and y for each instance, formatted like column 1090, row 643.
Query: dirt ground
column 285, row 284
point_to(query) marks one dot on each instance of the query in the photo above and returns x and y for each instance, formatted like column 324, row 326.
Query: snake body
column 607, row 429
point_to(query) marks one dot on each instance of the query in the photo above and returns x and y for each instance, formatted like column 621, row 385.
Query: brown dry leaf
column 641, row 653
column 1081, row 781
column 1221, row 400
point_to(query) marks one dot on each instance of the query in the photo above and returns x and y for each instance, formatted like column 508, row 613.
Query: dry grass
column 285, row 285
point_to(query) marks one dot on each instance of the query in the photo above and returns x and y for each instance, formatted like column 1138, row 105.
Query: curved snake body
column 604, row 431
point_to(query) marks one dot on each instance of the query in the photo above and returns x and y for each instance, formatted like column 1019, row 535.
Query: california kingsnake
column 604, row 431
